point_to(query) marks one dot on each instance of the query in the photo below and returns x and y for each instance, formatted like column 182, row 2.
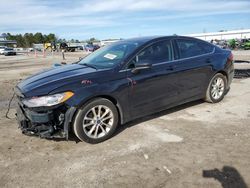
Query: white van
column 2, row 49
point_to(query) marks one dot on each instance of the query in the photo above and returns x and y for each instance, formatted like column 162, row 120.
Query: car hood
column 45, row 82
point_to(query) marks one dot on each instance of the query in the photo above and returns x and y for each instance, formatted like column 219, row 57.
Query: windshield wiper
column 89, row 65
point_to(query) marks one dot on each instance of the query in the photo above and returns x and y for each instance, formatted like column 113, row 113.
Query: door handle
column 208, row 61
column 170, row 68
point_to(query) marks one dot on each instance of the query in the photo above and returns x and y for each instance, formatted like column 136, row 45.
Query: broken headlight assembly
column 49, row 100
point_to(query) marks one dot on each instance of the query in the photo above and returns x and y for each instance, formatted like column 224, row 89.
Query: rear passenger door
column 194, row 61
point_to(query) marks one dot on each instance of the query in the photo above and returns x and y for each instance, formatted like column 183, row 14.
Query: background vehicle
column 96, row 47
column 50, row 46
column 246, row 44
column 79, row 47
column 66, row 47
column 91, row 47
column 30, row 49
column 121, row 82
column 9, row 51
column 234, row 44
column 2, row 49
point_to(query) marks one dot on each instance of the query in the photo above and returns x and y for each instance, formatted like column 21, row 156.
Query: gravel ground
column 193, row 145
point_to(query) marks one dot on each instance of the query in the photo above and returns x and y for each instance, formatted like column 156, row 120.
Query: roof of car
column 151, row 38
column 144, row 39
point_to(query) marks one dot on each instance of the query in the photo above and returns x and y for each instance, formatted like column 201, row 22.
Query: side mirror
column 141, row 66
column 59, row 64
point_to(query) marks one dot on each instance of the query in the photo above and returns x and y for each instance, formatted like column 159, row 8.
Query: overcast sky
column 80, row 19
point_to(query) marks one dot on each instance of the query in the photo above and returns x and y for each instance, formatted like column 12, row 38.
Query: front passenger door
column 153, row 88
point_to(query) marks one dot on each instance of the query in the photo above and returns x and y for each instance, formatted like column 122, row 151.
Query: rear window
column 190, row 48
column 207, row 48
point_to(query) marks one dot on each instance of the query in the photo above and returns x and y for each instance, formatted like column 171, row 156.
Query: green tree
column 50, row 37
column 20, row 40
column 38, row 38
column 10, row 37
column 92, row 40
column 29, row 39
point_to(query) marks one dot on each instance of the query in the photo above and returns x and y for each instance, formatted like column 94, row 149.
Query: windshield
column 111, row 55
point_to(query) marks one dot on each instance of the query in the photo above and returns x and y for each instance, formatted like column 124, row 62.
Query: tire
column 90, row 126
column 216, row 92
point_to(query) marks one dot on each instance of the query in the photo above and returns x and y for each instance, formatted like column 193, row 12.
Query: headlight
column 49, row 100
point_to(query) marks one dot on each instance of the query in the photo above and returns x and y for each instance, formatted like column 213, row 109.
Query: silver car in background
column 2, row 49
column 9, row 51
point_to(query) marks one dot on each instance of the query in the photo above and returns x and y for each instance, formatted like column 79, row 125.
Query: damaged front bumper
column 45, row 122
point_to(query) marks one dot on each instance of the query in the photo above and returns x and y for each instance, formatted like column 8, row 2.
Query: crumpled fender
column 68, row 119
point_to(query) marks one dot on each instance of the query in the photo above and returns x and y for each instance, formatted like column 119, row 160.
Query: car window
column 189, row 48
column 207, row 48
column 155, row 53
column 110, row 55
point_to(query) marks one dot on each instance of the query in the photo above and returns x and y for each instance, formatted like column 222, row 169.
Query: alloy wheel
column 218, row 87
column 98, row 121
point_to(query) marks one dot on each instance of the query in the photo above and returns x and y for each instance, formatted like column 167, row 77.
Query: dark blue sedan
column 121, row 82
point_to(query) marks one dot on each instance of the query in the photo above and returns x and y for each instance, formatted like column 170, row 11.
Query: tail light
column 230, row 57
column 230, row 61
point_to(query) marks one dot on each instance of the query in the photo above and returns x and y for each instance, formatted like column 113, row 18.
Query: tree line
column 28, row 39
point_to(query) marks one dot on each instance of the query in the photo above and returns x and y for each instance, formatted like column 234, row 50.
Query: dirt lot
column 174, row 148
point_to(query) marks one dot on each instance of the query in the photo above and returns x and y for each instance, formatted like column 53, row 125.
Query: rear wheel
column 96, row 121
column 216, row 89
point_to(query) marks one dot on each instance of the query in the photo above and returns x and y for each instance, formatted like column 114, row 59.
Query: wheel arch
column 208, row 97
column 214, row 73
column 111, row 99
column 223, row 72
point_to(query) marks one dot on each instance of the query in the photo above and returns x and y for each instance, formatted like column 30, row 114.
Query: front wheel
column 96, row 121
column 216, row 89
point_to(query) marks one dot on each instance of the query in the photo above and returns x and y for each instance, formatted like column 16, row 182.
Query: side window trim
column 175, row 55
column 191, row 56
column 148, row 45
column 176, row 50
